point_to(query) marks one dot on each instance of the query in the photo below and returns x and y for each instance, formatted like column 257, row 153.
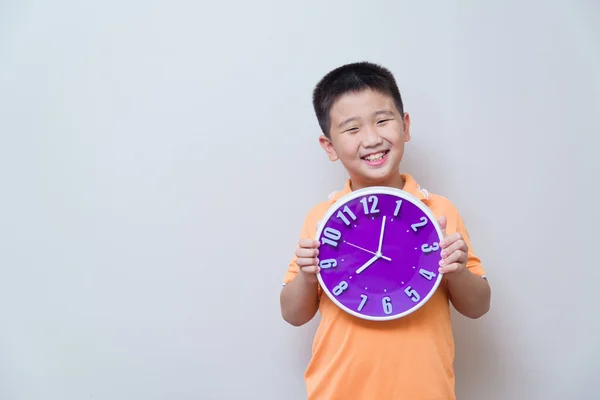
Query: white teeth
column 375, row 157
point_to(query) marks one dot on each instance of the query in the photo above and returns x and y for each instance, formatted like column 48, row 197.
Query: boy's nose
column 371, row 138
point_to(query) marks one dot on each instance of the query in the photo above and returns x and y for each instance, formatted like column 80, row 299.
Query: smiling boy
column 365, row 127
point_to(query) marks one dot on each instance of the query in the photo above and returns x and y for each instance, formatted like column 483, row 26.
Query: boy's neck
column 395, row 181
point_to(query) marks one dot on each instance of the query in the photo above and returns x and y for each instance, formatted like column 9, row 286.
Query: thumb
column 443, row 221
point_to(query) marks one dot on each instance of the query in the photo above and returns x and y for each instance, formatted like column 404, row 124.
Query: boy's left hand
column 454, row 252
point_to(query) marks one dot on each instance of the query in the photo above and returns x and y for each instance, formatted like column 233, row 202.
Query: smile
column 376, row 158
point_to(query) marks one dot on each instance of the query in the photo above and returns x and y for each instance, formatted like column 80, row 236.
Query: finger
column 443, row 221
column 308, row 243
column 305, row 262
column 458, row 256
column 453, row 243
column 451, row 239
column 306, row 253
column 312, row 269
column 446, row 269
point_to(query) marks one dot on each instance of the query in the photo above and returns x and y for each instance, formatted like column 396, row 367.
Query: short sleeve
column 473, row 261
column 309, row 230
column 292, row 269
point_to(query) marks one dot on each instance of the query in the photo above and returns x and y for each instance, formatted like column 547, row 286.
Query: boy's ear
column 328, row 147
column 406, row 127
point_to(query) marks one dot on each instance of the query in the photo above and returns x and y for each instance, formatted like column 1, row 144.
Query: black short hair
column 353, row 77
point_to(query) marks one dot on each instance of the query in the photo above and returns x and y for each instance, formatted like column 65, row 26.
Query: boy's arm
column 299, row 300
column 469, row 292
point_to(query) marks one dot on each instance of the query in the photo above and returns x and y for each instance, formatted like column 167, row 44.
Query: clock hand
column 378, row 254
column 371, row 261
column 381, row 235
column 368, row 251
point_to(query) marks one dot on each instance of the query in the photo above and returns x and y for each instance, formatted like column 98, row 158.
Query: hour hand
column 371, row 261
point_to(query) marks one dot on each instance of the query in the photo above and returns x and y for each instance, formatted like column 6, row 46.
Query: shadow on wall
column 480, row 360
column 299, row 340
column 303, row 339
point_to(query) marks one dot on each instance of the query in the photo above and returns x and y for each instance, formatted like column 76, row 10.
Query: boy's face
column 367, row 136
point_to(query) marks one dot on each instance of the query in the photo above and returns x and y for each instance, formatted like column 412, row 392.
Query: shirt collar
column 410, row 186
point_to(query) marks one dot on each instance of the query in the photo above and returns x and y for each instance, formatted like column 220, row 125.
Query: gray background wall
column 157, row 159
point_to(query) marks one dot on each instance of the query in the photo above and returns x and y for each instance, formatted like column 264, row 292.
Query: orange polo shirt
column 408, row 358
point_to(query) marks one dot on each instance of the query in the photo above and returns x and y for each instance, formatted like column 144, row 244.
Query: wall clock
column 379, row 253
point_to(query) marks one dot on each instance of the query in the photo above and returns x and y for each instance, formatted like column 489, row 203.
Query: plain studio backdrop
column 157, row 160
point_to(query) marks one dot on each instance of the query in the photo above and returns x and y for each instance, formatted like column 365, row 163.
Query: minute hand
column 368, row 251
column 381, row 235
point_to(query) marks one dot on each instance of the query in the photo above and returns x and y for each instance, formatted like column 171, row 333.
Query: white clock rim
column 373, row 190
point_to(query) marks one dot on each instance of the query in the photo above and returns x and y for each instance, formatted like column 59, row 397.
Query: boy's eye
column 351, row 130
column 382, row 121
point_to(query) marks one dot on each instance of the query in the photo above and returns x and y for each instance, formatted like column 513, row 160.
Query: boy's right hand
column 307, row 259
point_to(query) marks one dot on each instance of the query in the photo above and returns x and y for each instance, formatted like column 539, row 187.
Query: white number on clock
column 372, row 199
column 363, row 301
column 331, row 236
column 427, row 248
column 339, row 289
column 426, row 274
column 329, row 263
column 419, row 224
column 386, row 302
column 398, row 205
column 348, row 211
column 412, row 293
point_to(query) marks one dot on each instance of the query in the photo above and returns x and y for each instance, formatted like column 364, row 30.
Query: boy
column 360, row 111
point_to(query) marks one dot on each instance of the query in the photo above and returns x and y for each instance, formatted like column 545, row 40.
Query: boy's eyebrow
column 344, row 122
column 384, row 112
column 380, row 112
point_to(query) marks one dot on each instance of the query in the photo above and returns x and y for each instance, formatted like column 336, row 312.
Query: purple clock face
column 379, row 253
